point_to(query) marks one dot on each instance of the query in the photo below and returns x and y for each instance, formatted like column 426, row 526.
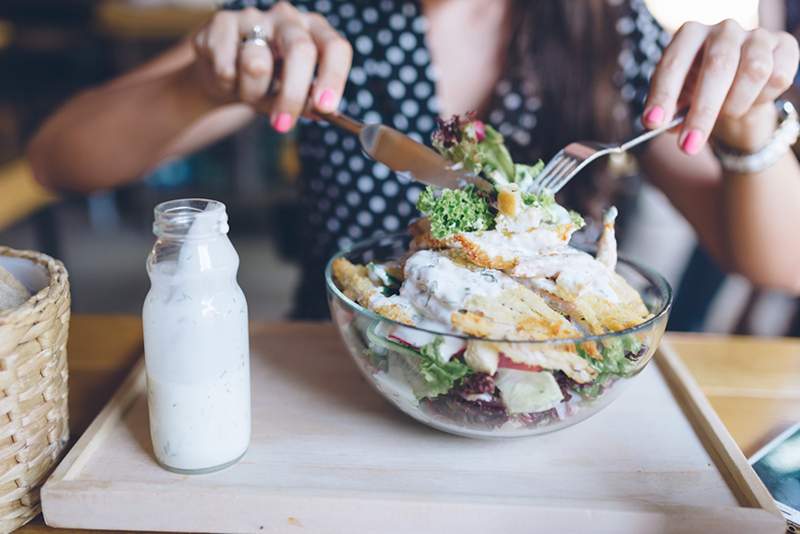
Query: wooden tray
column 330, row 455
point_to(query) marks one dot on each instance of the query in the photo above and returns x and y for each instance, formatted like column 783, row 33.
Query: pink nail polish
column 326, row 100
column 692, row 142
column 654, row 115
column 282, row 122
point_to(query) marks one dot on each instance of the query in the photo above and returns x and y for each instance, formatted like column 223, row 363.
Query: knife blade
column 405, row 156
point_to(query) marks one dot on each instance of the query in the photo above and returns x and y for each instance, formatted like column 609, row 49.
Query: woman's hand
column 299, row 43
column 728, row 78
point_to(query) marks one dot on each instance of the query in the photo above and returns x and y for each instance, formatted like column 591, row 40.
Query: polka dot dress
column 391, row 82
column 348, row 197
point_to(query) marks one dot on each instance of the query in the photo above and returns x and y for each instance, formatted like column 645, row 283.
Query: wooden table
column 20, row 193
column 751, row 382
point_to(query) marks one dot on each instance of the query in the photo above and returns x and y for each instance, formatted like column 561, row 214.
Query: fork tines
column 556, row 173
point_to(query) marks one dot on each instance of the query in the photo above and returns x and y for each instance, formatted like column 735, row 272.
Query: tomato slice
column 507, row 363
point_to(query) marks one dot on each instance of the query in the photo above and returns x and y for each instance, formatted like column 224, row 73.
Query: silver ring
column 256, row 36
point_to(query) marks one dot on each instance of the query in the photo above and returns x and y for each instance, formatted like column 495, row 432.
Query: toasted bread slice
column 560, row 358
column 355, row 282
column 12, row 293
column 495, row 249
column 516, row 314
column 584, row 289
column 421, row 237
column 481, row 302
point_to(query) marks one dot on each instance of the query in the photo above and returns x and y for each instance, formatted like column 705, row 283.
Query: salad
column 488, row 271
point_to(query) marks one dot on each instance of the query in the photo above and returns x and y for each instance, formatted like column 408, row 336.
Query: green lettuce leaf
column 544, row 200
column 615, row 364
column 455, row 210
column 614, row 352
column 438, row 375
column 495, row 158
column 476, row 147
column 524, row 174
column 577, row 220
column 427, row 373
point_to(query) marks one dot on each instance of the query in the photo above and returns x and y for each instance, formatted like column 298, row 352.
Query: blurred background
column 51, row 49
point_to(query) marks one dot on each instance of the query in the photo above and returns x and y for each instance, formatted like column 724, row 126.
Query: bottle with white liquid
column 196, row 341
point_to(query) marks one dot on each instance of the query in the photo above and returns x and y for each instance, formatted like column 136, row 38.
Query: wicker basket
column 33, row 384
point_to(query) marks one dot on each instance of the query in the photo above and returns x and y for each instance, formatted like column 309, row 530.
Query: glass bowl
column 393, row 368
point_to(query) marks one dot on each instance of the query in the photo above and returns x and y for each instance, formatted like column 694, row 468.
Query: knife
column 405, row 156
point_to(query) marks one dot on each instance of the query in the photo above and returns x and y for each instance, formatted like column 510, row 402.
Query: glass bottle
column 196, row 340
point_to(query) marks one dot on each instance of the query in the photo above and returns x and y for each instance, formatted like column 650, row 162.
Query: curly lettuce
column 428, row 373
column 480, row 149
column 453, row 211
column 620, row 354
column 439, row 376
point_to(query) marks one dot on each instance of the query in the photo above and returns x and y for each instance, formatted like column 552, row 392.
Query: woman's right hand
column 232, row 70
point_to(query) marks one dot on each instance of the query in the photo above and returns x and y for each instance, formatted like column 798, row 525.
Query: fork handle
column 624, row 147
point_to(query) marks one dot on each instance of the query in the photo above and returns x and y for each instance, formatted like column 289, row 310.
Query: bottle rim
column 174, row 218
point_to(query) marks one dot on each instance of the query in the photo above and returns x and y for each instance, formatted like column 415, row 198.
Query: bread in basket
column 33, row 381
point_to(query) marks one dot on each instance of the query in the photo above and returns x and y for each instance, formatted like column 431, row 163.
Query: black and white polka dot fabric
column 348, row 197
column 643, row 41
column 391, row 82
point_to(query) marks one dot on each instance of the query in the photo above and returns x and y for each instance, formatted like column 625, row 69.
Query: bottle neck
column 190, row 220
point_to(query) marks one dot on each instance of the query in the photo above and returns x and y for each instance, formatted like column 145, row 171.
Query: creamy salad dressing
column 572, row 269
column 378, row 301
column 509, row 247
column 450, row 346
column 607, row 244
column 437, row 286
column 534, row 218
column 197, row 349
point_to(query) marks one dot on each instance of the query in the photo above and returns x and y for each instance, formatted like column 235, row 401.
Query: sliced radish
column 508, row 363
column 450, row 347
column 401, row 341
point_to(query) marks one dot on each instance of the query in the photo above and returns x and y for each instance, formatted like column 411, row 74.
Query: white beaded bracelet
column 785, row 136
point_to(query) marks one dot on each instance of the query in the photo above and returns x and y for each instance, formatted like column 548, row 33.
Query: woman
column 544, row 72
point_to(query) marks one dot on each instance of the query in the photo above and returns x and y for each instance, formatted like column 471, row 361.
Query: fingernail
column 654, row 115
column 282, row 122
column 258, row 67
column 326, row 100
column 692, row 142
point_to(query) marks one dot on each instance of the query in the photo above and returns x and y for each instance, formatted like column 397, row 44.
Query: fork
column 571, row 159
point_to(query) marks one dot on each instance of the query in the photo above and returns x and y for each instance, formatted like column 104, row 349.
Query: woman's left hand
column 728, row 78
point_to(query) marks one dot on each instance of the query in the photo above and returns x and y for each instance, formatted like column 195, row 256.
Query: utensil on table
column 404, row 155
column 571, row 159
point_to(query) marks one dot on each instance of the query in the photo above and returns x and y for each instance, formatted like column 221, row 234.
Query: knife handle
column 342, row 121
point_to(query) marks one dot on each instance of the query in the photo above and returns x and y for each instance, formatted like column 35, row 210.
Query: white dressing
column 437, row 286
column 196, row 346
column 572, row 269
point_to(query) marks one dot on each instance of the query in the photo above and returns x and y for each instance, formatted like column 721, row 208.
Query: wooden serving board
column 329, row 454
